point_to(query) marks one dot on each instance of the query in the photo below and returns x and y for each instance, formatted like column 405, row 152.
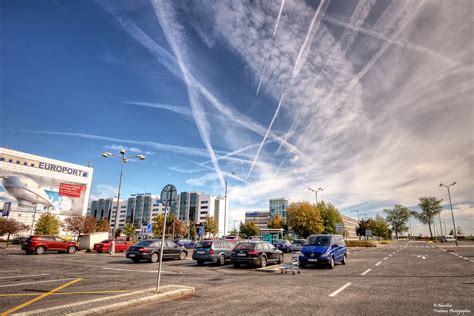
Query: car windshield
column 245, row 245
column 204, row 244
column 319, row 240
column 298, row 242
column 145, row 243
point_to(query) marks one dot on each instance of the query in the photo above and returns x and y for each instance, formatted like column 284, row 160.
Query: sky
column 370, row 100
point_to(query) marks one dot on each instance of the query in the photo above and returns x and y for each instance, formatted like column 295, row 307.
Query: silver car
column 298, row 244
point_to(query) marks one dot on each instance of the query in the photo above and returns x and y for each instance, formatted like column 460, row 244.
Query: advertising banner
column 71, row 190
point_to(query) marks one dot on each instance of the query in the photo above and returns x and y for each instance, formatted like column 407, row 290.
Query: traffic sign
column 339, row 227
column 168, row 195
column 6, row 209
column 149, row 228
column 368, row 233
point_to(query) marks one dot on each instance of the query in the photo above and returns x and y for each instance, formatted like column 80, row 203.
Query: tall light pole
column 225, row 205
column 452, row 213
column 123, row 160
column 358, row 214
column 316, row 192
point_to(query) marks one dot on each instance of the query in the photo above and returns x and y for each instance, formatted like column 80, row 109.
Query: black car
column 255, row 253
column 150, row 250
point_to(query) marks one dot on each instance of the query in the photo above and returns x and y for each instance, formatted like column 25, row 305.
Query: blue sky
column 370, row 100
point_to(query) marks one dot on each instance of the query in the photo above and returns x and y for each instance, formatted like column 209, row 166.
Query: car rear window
column 204, row 244
column 245, row 245
column 319, row 240
column 145, row 243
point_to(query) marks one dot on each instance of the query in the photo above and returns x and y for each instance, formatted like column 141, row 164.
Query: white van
column 449, row 238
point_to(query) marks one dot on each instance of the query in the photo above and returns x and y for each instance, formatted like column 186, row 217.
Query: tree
column 304, row 219
column 247, row 230
column 11, row 226
column 276, row 222
column 362, row 227
column 129, row 230
column 47, row 224
column 233, row 232
column 430, row 207
column 458, row 231
column 158, row 225
column 81, row 225
column 210, row 226
column 398, row 218
column 330, row 216
column 103, row 226
column 118, row 232
column 192, row 230
column 170, row 223
column 379, row 227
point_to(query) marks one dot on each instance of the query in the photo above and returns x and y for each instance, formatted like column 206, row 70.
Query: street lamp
column 225, row 205
column 452, row 213
column 316, row 192
column 123, row 160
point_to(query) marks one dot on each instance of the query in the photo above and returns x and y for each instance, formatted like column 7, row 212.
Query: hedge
column 359, row 243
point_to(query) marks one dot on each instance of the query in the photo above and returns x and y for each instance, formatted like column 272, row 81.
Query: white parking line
column 26, row 283
column 23, row 276
column 340, row 289
column 378, row 263
column 423, row 257
column 385, row 258
column 390, row 255
column 366, row 271
column 143, row 271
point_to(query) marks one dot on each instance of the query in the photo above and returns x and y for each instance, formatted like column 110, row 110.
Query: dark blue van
column 325, row 249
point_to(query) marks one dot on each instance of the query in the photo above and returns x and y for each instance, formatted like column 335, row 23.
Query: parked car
column 40, row 244
column 186, row 243
column 255, row 253
column 284, row 245
column 150, row 250
column 326, row 249
column 19, row 240
column 216, row 251
column 103, row 246
column 449, row 238
column 298, row 244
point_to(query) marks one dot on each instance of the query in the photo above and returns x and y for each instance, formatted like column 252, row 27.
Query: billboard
column 32, row 183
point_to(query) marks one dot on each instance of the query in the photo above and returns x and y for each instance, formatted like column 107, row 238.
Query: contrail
column 271, row 45
column 172, row 108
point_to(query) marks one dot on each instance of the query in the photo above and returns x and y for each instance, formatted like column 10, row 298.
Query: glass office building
column 278, row 207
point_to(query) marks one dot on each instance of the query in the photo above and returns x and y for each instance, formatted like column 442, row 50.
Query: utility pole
column 316, row 193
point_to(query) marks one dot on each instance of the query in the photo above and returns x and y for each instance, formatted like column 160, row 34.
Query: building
column 278, row 207
column 31, row 185
column 350, row 225
column 259, row 218
column 106, row 208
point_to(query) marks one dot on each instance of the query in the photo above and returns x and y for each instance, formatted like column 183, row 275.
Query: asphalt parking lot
column 414, row 278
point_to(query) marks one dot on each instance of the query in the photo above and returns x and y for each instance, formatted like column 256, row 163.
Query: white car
column 449, row 238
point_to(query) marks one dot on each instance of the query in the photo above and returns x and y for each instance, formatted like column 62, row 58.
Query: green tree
column 80, row 225
column 192, row 230
column 362, row 227
column 430, row 207
column 170, row 223
column 398, row 218
column 11, row 226
column 233, row 232
column 379, row 227
column 210, row 226
column 118, row 232
column 276, row 222
column 129, row 230
column 304, row 219
column 459, row 231
column 247, row 230
column 330, row 216
column 158, row 225
column 47, row 224
column 103, row 225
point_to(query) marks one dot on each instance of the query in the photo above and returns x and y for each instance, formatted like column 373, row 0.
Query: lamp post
column 225, row 205
column 316, row 192
column 452, row 213
column 123, row 160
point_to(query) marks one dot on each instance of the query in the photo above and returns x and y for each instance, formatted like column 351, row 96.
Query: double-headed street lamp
column 316, row 192
column 123, row 160
column 452, row 213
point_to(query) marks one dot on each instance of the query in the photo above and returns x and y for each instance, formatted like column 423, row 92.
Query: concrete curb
column 184, row 292
column 275, row 268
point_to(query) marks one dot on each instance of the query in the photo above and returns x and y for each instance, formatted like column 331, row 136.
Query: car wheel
column 331, row 263
column 263, row 262
column 182, row 255
column 71, row 250
column 280, row 259
column 221, row 260
column 344, row 259
column 154, row 258
column 236, row 264
column 40, row 250
column 200, row 262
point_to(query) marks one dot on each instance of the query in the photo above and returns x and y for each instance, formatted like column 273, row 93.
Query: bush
column 359, row 243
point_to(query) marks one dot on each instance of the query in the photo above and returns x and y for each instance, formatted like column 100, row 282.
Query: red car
column 120, row 246
column 40, row 244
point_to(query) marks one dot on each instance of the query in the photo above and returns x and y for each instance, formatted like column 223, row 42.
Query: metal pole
column 452, row 215
column 112, row 244
column 161, row 252
column 445, row 230
column 434, row 230
column 440, row 226
column 225, row 205
column 316, row 193
column 34, row 215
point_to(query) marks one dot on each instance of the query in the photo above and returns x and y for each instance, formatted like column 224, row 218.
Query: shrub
column 359, row 243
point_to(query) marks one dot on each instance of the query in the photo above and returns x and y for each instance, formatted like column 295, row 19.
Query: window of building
column 204, row 202
column 204, row 207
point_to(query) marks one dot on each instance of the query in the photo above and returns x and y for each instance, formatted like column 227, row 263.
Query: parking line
column 23, row 276
column 67, row 293
column 378, row 263
column 340, row 289
column 143, row 271
column 26, row 283
column 366, row 271
column 385, row 258
column 14, row 309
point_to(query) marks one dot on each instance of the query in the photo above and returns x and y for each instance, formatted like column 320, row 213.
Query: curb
column 188, row 291
column 270, row 269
